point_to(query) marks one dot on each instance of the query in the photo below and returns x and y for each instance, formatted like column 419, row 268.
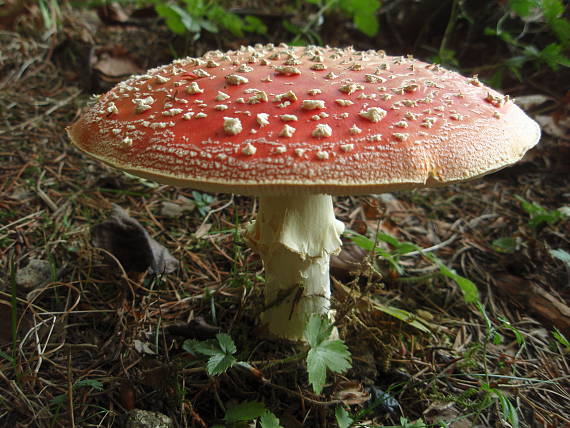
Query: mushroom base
column 295, row 236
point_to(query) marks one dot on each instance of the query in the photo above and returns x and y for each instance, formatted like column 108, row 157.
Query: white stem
column 295, row 236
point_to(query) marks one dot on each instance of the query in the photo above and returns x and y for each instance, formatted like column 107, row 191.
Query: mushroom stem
column 295, row 236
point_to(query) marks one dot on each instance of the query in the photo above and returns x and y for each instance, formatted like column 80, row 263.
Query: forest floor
column 87, row 341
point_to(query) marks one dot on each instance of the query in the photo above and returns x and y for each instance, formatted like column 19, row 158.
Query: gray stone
column 35, row 274
column 138, row 418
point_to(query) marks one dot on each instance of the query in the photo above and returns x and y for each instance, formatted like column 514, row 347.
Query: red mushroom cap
column 277, row 119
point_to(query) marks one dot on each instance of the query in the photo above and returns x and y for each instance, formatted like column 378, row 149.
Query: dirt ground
column 83, row 340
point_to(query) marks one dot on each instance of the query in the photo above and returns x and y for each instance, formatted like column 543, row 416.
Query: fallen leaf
column 528, row 102
column 559, row 129
column 445, row 414
column 115, row 67
column 143, row 347
column 351, row 393
column 130, row 243
column 176, row 208
column 113, row 64
column 202, row 230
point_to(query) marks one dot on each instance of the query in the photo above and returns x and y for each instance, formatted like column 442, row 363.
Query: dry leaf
column 351, row 393
column 202, row 230
column 176, row 208
column 559, row 129
column 528, row 102
column 447, row 413
column 130, row 243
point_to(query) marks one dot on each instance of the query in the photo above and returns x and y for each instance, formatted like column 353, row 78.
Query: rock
column 35, row 274
column 138, row 418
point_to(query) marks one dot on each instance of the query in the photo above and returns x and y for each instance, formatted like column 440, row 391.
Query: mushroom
column 359, row 123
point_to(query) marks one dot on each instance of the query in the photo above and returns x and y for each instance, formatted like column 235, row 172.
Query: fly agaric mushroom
column 295, row 125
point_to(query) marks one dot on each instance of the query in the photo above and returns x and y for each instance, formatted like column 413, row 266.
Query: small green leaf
column 505, row 245
column 552, row 9
column 254, row 25
column 538, row 214
column 58, row 400
column 227, row 345
column 269, row 420
column 208, row 25
column 469, row 289
column 518, row 335
column 497, row 338
column 6, row 356
column 405, row 423
column 172, row 19
column 330, row 355
column 368, row 245
column 230, row 21
column 92, row 383
column 560, row 338
column 317, row 330
column 292, row 28
column 402, row 315
column 220, row 352
column 219, row 363
column 522, row 7
column 342, row 418
column 366, row 22
column 199, row 347
column 509, row 412
column 553, row 55
column 561, row 28
column 246, row 411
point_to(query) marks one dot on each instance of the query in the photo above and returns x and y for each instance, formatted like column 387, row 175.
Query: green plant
column 193, row 16
column 220, row 352
column 342, row 417
column 506, row 245
column 243, row 414
column 324, row 354
column 51, row 15
column 508, row 412
column 400, row 249
column 560, row 338
column 533, row 16
column 539, row 215
column 203, row 201
column 362, row 12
